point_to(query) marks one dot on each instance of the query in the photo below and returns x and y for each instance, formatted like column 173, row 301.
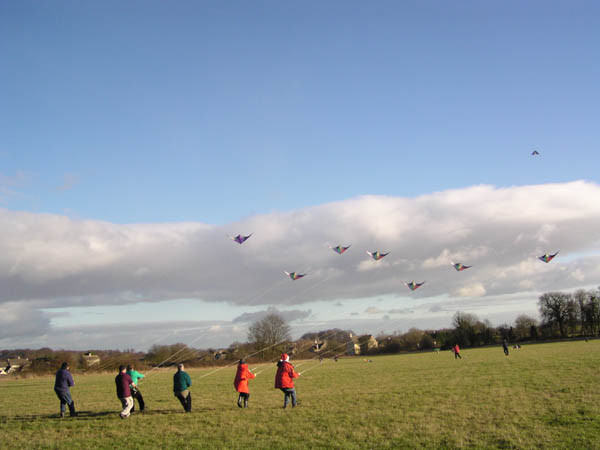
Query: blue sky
column 204, row 112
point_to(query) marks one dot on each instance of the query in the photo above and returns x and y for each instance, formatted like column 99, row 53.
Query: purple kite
column 294, row 275
column 547, row 258
column 239, row 238
column 460, row 267
column 339, row 249
column 414, row 286
column 377, row 255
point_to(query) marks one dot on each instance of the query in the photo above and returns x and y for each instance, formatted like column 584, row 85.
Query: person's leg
column 181, row 397
column 240, row 398
column 293, row 396
column 188, row 403
column 246, row 397
column 63, row 397
column 127, row 403
column 285, row 396
column 140, row 399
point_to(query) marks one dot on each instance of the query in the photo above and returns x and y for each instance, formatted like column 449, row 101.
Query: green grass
column 542, row 396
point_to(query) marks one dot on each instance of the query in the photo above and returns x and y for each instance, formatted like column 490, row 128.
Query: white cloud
column 471, row 290
column 50, row 260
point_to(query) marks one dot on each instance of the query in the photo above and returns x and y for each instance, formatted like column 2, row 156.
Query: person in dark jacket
column 284, row 380
column 62, row 385
column 124, row 382
column 181, row 388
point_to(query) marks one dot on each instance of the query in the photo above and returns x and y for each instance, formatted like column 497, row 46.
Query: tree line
column 562, row 315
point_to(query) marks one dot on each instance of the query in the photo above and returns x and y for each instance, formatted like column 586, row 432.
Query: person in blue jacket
column 62, row 385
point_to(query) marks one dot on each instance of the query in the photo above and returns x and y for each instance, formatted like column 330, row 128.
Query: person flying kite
column 239, row 238
column 294, row 275
column 547, row 258
column 377, row 255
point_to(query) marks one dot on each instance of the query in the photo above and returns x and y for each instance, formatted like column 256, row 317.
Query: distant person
column 240, row 383
column 284, row 380
column 181, row 388
column 62, row 385
column 123, row 383
column 135, row 389
column 335, row 358
column 505, row 347
column 456, row 350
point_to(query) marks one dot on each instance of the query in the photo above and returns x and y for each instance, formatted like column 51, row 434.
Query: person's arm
column 70, row 381
column 188, row 379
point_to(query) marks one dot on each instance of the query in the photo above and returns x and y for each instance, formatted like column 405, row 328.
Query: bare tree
column 555, row 310
column 269, row 335
column 523, row 326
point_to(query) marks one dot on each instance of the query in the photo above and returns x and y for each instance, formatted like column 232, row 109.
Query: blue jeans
column 289, row 393
column 65, row 399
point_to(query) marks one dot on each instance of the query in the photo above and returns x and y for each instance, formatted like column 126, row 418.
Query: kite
column 294, row 275
column 377, row 255
column 547, row 258
column 239, row 238
column 535, row 153
column 414, row 286
column 339, row 249
column 460, row 267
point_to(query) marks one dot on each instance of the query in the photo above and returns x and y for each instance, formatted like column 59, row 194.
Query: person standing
column 62, row 385
column 240, row 383
column 505, row 347
column 456, row 350
column 135, row 389
column 181, row 388
column 123, row 382
column 284, row 380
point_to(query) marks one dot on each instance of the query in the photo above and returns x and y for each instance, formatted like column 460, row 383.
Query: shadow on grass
column 85, row 415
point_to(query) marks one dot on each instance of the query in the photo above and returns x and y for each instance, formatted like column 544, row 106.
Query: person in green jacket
column 135, row 389
column 181, row 388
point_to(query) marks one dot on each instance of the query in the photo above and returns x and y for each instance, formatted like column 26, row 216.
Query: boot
column 240, row 401
column 72, row 410
column 246, row 400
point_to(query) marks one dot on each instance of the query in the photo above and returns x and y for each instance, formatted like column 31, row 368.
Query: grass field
column 542, row 396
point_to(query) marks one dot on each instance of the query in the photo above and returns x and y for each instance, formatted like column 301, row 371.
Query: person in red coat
column 284, row 380
column 456, row 350
column 241, row 383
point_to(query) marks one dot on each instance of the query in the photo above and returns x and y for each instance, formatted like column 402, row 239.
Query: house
column 90, row 359
column 16, row 364
column 367, row 343
column 353, row 346
column 220, row 354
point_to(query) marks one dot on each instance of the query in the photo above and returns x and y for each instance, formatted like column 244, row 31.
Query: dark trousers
column 457, row 355
column 65, row 400
column 135, row 393
column 289, row 393
column 185, row 398
column 506, row 351
column 243, row 400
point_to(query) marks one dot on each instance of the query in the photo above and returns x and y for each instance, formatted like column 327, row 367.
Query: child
column 284, row 380
column 456, row 351
column 241, row 383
